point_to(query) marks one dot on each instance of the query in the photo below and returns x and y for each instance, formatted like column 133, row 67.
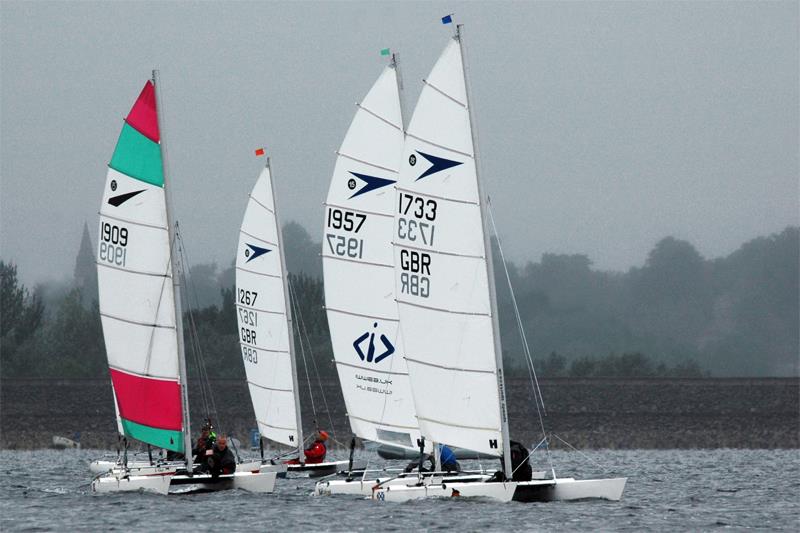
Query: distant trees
column 734, row 316
column 21, row 315
column 677, row 315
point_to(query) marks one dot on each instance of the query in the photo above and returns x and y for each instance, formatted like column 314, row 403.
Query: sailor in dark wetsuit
column 220, row 460
column 205, row 444
column 520, row 464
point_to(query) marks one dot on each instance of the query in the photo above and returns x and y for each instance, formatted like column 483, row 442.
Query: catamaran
column 446, row 299
column 358, row 266
column 359, row 281
column 264, row 313
column 140, row 308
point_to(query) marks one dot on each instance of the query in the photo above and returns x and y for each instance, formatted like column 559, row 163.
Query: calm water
column 667, row 490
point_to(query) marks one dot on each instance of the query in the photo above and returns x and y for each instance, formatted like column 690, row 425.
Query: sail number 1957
column 345, row 220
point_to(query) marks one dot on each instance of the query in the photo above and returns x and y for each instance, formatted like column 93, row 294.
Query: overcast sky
column 602, row 127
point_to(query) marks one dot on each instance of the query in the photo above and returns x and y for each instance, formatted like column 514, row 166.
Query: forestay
column 261, row 304
column 441, row 275
column 359, row 271
column 137, row 305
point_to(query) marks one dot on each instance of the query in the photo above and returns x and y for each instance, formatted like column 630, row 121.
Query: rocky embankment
column 588, row 413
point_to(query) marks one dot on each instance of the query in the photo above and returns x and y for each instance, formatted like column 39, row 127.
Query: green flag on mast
column 385, row 52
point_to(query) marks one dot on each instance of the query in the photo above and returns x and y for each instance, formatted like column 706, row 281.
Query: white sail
column 261, row 304
column 442, row 283
column 359, row 271
column 135, row 285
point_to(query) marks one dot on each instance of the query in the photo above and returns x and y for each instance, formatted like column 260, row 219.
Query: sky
column 602, row 126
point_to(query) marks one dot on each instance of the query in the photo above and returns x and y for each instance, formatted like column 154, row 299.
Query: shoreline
column 589, row 413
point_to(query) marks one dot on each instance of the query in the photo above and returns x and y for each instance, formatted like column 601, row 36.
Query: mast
column 176, row 287
column 498, row 348
column 395, row 64
column 289, row 320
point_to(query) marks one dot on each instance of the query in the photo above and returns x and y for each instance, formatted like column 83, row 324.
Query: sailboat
column 446, row 298
column 264, row 315
column 358, row 268
column 358, row 265
column 140, row 309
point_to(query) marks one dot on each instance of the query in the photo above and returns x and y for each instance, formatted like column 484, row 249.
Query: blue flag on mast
column 448, row 19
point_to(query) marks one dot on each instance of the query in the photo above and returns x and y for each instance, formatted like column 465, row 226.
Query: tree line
column 678, row 315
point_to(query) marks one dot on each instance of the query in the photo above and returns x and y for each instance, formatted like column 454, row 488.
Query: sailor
column 315, row 454
column 220, row 460
column 446, row 457
column 205, row 444
column 520, row 464
column 448, row 460
column 426, row 459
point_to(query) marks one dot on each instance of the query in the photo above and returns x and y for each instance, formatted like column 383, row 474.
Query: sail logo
column 254, row 252
column 120, row 199
column 369, row 357
column 438, row 164
column 371, row 183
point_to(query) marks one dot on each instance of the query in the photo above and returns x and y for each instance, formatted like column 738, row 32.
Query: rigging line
column 194, row 343
column 602, row 466
column 304, row 330
column 293, row 303
column 518, row 317
column 526, row 348
column 205, row 383
column 192, row 340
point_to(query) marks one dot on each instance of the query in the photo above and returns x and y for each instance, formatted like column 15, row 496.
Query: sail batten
column 135, row 285
column 358, row 266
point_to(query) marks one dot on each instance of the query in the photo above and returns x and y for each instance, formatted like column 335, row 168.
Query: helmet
column 323, row 435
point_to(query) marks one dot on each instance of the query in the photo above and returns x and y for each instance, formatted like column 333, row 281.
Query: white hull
column 63, row 443
column 257, row 482
column 503, row 492
column 144, row 468
column 364, row 487
column 320, row 469
column 563, row 489
column 280, row 469
column 566, row 489
column 138, row 468
column 114, row 483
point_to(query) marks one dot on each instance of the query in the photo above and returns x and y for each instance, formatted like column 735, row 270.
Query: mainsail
column 264, row 318
column 442, row 275
column 137, row 299
column 358, row 267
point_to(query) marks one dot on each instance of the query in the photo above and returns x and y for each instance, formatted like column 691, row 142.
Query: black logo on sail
column 117, row 201
column 493, row 444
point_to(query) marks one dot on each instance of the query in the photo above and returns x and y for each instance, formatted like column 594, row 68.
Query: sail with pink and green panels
column 137, row 304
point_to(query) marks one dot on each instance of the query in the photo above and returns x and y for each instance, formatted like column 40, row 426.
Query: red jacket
column 314, row 455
